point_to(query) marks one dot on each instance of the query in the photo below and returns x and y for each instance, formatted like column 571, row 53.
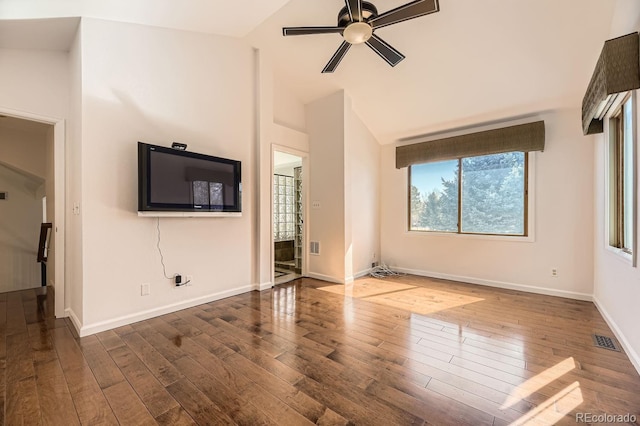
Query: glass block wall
column 283, row 208
column 297, row 198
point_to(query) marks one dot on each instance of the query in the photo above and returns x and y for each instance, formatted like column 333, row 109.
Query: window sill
column 620, row 254
column 514, row 239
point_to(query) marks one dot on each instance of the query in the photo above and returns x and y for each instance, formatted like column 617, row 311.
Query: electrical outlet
column 554, row 272
column 145, row 289
column 188, row 279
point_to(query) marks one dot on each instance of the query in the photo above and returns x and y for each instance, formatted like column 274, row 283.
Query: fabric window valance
column 519, row 138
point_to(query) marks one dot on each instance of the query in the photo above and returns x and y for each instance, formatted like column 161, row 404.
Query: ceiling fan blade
column 388, row 53
column 355, row 10
column 414, row 9
column 337, row 57
column 293, row 31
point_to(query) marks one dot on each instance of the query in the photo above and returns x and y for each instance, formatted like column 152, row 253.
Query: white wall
column 158, row 86
column 34, row 81
column 286, row 169
column 325, row 119
column 21, row 216
column 288, row 110
column 74, row 277
column 563, row 224
column 24, row 150
column 363, row 168
column 344, row 176
column 616, row 282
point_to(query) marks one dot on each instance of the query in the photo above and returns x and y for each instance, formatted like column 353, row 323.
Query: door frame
column 60, row 198
column 305, row 206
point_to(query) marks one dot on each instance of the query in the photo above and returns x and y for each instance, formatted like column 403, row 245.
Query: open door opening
column 288, row 217
column 32, row 170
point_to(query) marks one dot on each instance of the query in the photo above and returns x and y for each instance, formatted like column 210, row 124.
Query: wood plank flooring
column 397, row 351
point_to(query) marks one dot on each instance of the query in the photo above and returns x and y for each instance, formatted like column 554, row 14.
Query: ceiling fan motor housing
column 369, row 11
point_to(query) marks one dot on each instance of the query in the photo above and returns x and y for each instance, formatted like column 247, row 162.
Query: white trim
column 59, row 207
column 631, row 353
column 498, row 284
column 327, row 278
column 97, row 327
column 77, row 324
column 264, row 286
column 363, row 273
column 59, row 170
column 628, row 258
column 346, row 280
column 509, row 238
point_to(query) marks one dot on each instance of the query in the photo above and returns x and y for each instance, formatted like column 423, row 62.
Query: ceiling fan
column 358, row 20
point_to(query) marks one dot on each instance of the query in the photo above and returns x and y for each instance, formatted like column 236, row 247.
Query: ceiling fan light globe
column 357, row 32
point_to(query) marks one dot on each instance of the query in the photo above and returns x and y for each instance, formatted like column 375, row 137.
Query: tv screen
column 181, row 181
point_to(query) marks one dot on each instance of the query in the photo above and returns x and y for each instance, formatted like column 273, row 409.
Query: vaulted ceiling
column 233, row 18
column 472, row 62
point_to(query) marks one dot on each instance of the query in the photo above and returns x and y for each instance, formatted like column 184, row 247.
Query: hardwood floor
column 407, row 350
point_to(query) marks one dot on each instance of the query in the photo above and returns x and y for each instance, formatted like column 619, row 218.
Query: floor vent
column 605, row 342
column 4, row 195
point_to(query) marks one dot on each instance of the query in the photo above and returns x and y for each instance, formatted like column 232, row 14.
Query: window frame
column 527, row 213
column 614, row 179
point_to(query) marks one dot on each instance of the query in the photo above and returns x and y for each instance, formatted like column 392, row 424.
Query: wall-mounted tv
column 171, row 180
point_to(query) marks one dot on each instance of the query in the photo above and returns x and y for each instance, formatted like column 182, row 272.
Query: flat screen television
column 171, row 180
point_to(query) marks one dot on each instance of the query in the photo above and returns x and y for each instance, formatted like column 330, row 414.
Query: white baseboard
column 631, row 353
column 347, row 280
column 264, row 286
column 363, row 273
column 74, row 319
column 499, row 284
column 325, row 278
column 86, row 330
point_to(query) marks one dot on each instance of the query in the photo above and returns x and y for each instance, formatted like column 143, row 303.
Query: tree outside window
column 473, row 195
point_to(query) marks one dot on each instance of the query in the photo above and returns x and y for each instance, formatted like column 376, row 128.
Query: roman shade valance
column 617, row 70
column 520, row 138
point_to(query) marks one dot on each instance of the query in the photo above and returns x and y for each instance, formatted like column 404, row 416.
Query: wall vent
column 314, row 247
column 605, row 342
column 4, row 195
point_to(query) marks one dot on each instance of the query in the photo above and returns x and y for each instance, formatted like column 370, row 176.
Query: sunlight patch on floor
column 555, row 408
column 419, row 300
column 424, row 300
column 365, row 288
column 539, row 381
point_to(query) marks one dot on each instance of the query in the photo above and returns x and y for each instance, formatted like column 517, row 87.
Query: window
column 473, row 195
column 621, row 177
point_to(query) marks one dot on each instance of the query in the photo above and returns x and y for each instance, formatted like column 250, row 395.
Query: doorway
column 24, row 180
column 54, row 189
column 288, row 217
